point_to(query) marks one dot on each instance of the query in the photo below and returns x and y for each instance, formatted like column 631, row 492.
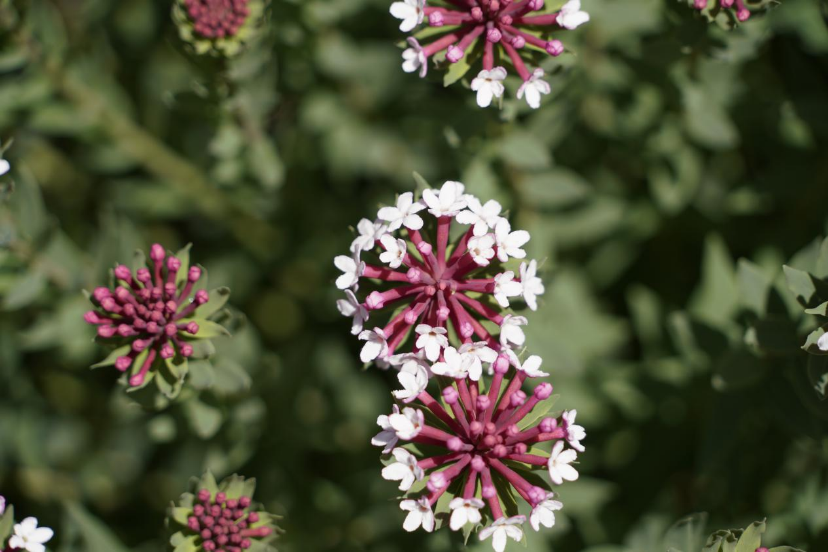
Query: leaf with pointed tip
column 751, row 539
column 112, row 357
column 218, row 298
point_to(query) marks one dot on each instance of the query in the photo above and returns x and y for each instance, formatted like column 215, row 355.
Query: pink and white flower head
column 498, row 31
column 155, row 316
column 222, row 517
column 736, row 8
column 491, row 441
column 442, row 292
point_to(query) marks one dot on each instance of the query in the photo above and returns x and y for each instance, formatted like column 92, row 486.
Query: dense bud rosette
column 500, row 31
column 735, row 8
column 442, row 295
column 470, row 455
column 221, row 517
column 156, row 317
column 219, row 27
column 25, row 536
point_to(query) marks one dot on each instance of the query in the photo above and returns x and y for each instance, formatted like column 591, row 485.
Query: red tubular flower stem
column 444, row 223
column 518, row 414
column 517, row 383
column 437, row 461
column 520, row 67
column 546, row 19
column 438, row 410
column 383, row 273
column 521, row 485
column 529, row 459
column 494, row 502
column 465, row 398
column 481, row 309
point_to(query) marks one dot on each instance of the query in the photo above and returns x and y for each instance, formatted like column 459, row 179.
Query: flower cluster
column 435, row 284
column 471, row 459
column 493, row 29
column 737, row 7
column 154, row 316
column 25, row 536
column 219, row 27
column 222, row 517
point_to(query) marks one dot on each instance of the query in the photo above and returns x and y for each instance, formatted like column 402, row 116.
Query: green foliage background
column 673, row 171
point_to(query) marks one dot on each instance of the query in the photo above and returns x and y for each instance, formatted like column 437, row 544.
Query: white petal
column 4, row 167
column 499, row 540
column 484, row 96
column 822, row 342
column 413, row 520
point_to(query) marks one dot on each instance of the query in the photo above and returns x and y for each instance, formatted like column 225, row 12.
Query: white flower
column 387, row 438
column 414, row 58
column 502, row 528
column 407, row 424
column 350, row 306
column 822, row 342
column 447, row 202
column 533, row 88
column 410, row 11
column 509, row 243
column 559, row 464
column 531, row 367
column 544, row 513
column 376, row 345
column 5, row 167
column 395, row 251
column 2, row 505
column 488, row 85
column 505, row 286
column 414, row 379
column 455, row 365
column 352, row 268
column 28, row 536
column 482, row 216
column 369, row 233
column 465, row 511
column 571, row 17
column 574, row 433
column 405, row 469
column 481, row 248
column 478, row 353
column 511, row 336
column 532, row 285
column 404, row 214
column 419, row 514
column 432, row 340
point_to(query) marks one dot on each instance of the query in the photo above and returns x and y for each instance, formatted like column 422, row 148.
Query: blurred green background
column 672, row 172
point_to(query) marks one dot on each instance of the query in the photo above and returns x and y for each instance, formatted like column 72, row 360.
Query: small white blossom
column 387, row 438
column 481, row 248
column 405, row 469
column 505, row 286
column 414, row 58
column 352, row 269
column 532, row 285
column 509, row 243
column 511, row 335
column 350, row 306
column 489, row 85
column 449, row 201
column 419, row 514
column 483, row 217
column 544, row 513
column 408, row 424
column 503, row 528
column 432, row 340
column 534, row 88
column 414, row 379
column 574, row 433
column 369, row 233
column 822, row 342
column 465, row 511
column 395, row 251
column 530, row 367
column 411, row 12
column 478, row 353
column 455, row 365
column 376, row 345
column 559, row 464
column 28, row 536
column 5, row 167
column 404, row 214
column 571, row 17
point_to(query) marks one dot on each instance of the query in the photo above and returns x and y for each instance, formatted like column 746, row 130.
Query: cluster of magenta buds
column 155, row 316
column 222, row 518
column 736, row 7
column 217, row 18
column 498, row 31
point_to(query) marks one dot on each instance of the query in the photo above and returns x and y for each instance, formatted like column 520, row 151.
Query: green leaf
column 6, row 524
column 537, row 413
column 811, row 342
column 752, row 537
column 688, row 534
column 183, row 255
column 754, row 287
column 457, row 70
column 95, row 534
column 113, row 356
column 207, row 329
column 204, row 419
column 422, row 183
column 181, row 515
column 218, row 298
column 804, row 286
column 185, row 544
column 26, row 291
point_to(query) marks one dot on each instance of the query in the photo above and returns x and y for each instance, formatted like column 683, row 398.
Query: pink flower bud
column 101, row 293
column 743, row 14
column 170, row 289
column 520, row 448
column 700, row 4
column 194, row 274
column 454, row 54
column 554, row 48
column 476, row 428
column 123, row 272
column 477, row 14
column 425, row 247
column 244, row 501
column 536, row 5
column 106, row 331
column 173, row 264
column 153, row 328
column 143, row 275
column 518, row 42
column 501, row 365
column 136, row 380
column 483, row 402
column 436, row 482
column 489, row 491
column 478, row 464
column 548, row 425
column 451, row 395
column 543, row 391
column 202, row 297
column 92, row 317
column 374, row 301
column 186, row 350
column 436, row 19
column 518, row 398
column 192, row 328
column 123, row 363
column 167, row 351
column 506, row 19
column 499, row 451
column 455, row 444
column 512, row 430
column 494, row 35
